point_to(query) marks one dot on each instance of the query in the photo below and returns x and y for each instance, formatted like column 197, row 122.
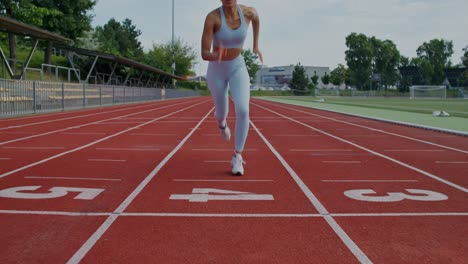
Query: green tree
column 299, row 81
column 314, row 81
column 252, row 67
column 338, row 75
column 27, row 12
column 437, row 53
column 160, row 56
column 326, row 79
column 359, row 58
column 69, row 18
column 465, row 63
column 120, row 39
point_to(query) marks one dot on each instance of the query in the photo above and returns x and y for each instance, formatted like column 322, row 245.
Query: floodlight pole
column 173, row 51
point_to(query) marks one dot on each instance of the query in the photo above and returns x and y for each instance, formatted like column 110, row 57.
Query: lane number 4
column 201, row 195
column 25, row 192
column 368, row 195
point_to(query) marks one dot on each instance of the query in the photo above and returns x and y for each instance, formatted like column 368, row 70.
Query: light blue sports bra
column 230, row 38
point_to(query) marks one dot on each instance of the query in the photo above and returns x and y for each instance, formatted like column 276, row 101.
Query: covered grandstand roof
column 121, row 60
column 14, row 26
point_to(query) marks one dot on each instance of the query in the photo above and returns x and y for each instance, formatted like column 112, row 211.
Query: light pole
column 173, row 51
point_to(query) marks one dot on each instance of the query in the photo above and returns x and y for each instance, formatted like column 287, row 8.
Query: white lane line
column 341, row 162
column 68, row 178
column 117, row 123
column 33, row 147
column 18, row 212
column 325, row 150
column 189, row 180
column 414, row 150
column 398, row 214
column 218, row 150
column 358, row 253
column 371, row 129
column 80, row 116
column 295, row 135
column 106, row 160
column 452, row 162
column 430, row 175
column 149, row 134
column 70, row 133
column 369, row 180
column 127, row 149
column 93, row 143
column 81, row 214
column 88, row 124
column 84, row 249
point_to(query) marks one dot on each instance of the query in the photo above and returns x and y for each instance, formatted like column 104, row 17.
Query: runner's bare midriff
column 231, row 53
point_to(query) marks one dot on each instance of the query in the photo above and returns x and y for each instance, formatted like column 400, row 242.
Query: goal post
column 428, row 92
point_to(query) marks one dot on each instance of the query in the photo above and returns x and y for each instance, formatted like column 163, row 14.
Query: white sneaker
column 237, row 164
column 225, row 133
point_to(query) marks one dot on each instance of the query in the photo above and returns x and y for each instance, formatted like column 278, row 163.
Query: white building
column 279, row 77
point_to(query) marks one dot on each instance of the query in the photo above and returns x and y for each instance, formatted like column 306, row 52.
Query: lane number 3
column 24, row 192
column 368, row 195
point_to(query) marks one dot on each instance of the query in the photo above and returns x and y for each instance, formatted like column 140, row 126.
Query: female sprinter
column 223, row 37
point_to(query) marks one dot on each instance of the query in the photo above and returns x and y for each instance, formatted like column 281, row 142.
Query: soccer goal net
column 428, row 92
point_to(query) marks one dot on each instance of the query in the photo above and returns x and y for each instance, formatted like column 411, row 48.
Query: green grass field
column 417, row 112
column 456, row 107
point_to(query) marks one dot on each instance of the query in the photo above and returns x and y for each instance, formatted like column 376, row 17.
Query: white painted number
column 204, row 195
column 416, row 195
column 55, row 192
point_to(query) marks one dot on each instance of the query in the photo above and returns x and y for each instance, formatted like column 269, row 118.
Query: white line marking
column 51, row 213
column 70, row 133
column 217, row 150
column 67, row 178
column 414, row 150
column 33, row 147
column 84, row 249
column 370, row 128
column 437, row 178
column 343, row 162
column 452, row 162
column 188, row 180
column 126, row 149
column 92, row 143
column 369, row 180
column 80, row 214
column 107, row 160
column 295, row 135
column 358, row 253
column 149, row 134
column 325, row 150
column 88, row 124
column 116, row 123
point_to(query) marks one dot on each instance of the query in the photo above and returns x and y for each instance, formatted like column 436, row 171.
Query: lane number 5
column 55, row 192
column 368, row 195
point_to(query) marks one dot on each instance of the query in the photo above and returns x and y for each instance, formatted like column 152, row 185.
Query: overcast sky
column 311, row 32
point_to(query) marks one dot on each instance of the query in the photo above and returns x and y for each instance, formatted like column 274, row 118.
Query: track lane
column 450, row 163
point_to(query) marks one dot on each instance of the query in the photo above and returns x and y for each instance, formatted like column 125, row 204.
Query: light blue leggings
column 234, row 73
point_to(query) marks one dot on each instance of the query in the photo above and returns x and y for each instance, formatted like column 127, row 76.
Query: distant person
column 222, row 42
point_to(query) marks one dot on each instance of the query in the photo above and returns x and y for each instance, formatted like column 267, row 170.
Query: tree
column 27, row 12
column 359, row 58
column 160, row 56
column 252, row 67
column 437, row 53
column 386, row 62
column 338, row 75
column 326, row 79
column 464, row 59
column 314, row 81
column 120, row 39
column 299, row 80
column 68, row 18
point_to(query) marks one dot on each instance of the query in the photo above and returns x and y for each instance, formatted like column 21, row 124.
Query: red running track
column 151, row 183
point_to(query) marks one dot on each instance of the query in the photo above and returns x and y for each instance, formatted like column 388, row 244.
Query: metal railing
column 21, row 97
